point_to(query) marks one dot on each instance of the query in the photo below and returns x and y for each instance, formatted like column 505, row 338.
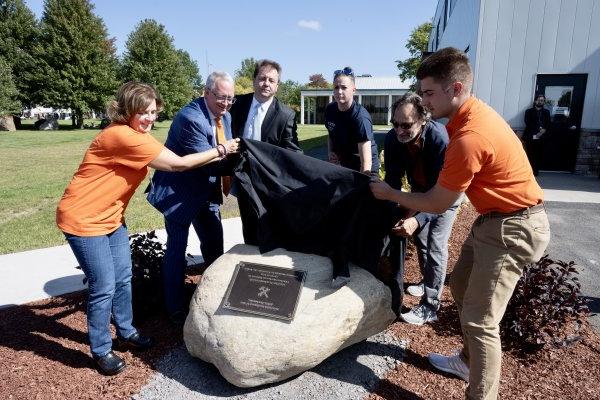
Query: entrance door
column 564, row 98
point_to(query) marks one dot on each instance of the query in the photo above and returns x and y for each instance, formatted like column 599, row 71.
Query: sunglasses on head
column 346, row 71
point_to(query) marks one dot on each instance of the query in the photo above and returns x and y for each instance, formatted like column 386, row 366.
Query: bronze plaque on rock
column 265, row 290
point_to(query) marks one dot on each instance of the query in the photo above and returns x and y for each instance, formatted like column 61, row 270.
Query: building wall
column 511, row 41
column 519, row 39
column 461, row 29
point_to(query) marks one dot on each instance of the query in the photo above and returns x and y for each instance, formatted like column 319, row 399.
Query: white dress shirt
column 256, row 116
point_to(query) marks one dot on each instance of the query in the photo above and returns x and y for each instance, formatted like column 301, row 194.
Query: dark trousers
column 209, row 229
column 395, row 252
column 533, row 148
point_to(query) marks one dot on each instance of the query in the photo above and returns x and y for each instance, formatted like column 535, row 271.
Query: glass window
column 558, row 101
column 377, row 106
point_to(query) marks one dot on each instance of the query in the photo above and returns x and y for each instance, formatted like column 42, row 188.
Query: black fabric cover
column 303, row 204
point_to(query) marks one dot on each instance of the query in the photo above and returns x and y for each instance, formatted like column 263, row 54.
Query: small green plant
column 545, row 308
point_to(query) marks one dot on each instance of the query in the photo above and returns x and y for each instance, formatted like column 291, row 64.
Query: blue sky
column 304, row 36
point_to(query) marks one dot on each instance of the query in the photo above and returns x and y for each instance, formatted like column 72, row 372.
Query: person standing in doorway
column 537, row 122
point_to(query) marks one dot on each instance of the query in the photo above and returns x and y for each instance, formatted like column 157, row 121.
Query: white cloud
column 310, row 24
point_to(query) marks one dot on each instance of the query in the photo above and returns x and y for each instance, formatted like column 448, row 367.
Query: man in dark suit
column 537, row 122
column 193, row 197
column 260, row 115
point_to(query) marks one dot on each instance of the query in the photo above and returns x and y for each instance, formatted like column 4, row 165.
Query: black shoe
column 177, row 319
column 136, row 342
column 110, row 364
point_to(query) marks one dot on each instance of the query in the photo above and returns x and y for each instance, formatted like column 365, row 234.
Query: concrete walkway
column 38, row 274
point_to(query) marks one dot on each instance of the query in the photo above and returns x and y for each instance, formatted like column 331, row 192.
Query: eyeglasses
column 223, row 99
column 405, row 125
column 346, row 71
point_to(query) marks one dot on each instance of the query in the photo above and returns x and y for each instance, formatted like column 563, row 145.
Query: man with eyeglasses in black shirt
column 415, row 148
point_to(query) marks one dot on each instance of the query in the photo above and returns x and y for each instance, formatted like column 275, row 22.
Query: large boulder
column 7, row 123
column 251, row 350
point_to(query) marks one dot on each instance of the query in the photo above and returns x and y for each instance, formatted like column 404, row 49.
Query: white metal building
column 519, row 48
column 376, row 94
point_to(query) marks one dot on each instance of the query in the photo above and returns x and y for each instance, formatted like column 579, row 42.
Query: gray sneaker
column 416, row 290
column 419, row 315
column 451, row 364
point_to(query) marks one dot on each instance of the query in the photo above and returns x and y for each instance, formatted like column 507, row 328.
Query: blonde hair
column 132, row 97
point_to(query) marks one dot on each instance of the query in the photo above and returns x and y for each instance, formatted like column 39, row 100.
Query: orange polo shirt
column 113, row 167
column 486, row 160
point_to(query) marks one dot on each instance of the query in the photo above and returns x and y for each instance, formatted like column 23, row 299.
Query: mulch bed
column 44, row 353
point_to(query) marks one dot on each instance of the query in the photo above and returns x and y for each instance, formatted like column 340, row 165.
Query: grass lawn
column 37, row 166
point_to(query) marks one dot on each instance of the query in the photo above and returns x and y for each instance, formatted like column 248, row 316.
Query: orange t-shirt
column 486, row 160
column 113, row 167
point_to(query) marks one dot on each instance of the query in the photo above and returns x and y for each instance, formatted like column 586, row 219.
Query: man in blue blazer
column 193, row 197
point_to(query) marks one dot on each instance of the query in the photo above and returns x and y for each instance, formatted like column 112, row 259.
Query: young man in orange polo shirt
column 485, row 160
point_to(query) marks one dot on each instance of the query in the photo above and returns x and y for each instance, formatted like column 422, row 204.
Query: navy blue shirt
column 346, row 130
column 399, row 162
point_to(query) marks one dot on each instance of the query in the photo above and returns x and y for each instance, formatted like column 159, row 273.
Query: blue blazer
column 181, row 195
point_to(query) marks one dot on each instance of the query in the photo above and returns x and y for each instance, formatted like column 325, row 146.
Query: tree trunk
column 7, row 123
column 76, row 118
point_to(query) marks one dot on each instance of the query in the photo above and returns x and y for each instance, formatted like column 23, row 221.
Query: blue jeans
column 106, row 262
column 209, row 229
column 431, row 241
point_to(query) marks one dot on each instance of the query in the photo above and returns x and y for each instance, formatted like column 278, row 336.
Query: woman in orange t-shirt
column 91, row 213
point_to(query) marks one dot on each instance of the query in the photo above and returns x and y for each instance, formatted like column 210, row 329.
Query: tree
column 9, row 103
column 192, row 72
column 289, row 93
column 75, row 61
column 247, row 69
column 416, row 45
column 317, row 81
column 18, row 31
column 151, row 57
column 243, row 85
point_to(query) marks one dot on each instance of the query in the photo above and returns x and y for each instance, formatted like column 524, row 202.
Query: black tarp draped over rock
column 303, row 204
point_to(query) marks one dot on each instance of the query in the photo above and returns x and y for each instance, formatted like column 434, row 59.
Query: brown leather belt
column 524, row 211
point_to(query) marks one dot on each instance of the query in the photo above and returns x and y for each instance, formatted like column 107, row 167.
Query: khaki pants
column 486, row 273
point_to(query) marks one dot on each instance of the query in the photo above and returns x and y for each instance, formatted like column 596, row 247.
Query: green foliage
column 18, row 30
column 151, row 57
column 247, row 69
column 289, row 93
column 8, row 91
column 75, row 60
column 317, row 81
column 192, row 72
column 243, row 85
column 545, row 301
column 416, row 45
